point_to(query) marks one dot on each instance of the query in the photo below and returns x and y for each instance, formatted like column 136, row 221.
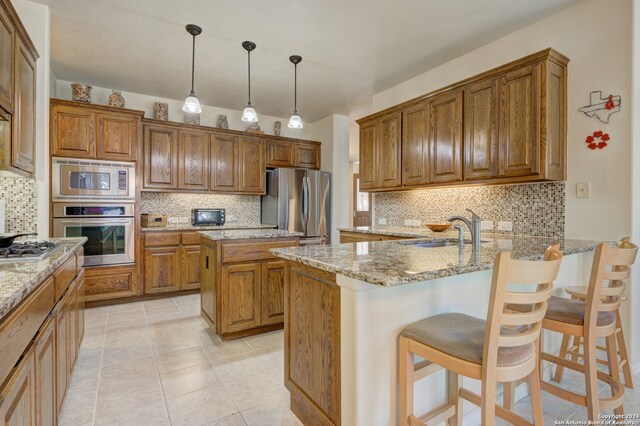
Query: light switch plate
column 583, row 190
column 505, row 226
column 486, row 225
column 382, row 221
column 183, row 219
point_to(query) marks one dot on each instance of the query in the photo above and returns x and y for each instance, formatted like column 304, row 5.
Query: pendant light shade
column 249, row 113
column 295, row 122
column 192, row 104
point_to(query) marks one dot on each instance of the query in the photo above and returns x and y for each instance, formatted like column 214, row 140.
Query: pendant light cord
column 249, row 72
column 193, row 64
column 295, row 89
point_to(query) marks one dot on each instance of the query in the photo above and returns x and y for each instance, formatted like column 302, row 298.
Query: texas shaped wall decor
column 601, row 107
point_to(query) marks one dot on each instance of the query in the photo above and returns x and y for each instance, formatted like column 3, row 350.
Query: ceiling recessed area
column 351, row 49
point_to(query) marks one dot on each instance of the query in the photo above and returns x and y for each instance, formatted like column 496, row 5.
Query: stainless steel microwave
column 208, row 217
column 91, row 180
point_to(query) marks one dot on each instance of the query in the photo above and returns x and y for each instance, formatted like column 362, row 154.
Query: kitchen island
column 345, row 306
column 242, row 284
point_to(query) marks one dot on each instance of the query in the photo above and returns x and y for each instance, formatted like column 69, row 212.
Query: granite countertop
column 243, row 234
column 19, row 279
column 389, row 263
column 190, row 227
column 400, row 231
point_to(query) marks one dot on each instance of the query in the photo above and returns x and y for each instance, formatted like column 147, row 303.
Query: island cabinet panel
column 280, row 153
column 225, row 165
column 307, row 155
column 481, row 130
column 445, row 138
column 117, row 137
column 519, row 144
column 252, row 166
column 23, row 141
column 241, row 294
column 72, row 132
column 389, row 157
column 160, row 157
column 208, row 276
column 193, row 160
column 7, row 40
column 415, row 145
column 45, row 377
column 368, row 172
column 273, row 292
column 18, row 397
column 190, row 267
column 312, row 344
column 62, row 353
column 161, row 269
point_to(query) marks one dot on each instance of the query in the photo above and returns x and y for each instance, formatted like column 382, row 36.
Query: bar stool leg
column 508, row 390
column 488, row 401
column 591, row 378
column 564, row 347
column 536, row 394
column 614, row 368
column 454, row 383
column 624, row 356
column 405, row 373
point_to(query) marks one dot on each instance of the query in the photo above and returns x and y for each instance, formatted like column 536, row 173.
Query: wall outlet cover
column 382, row 221
column 505, row 226
column 183, row 219
column 417, row 223
column 486, row 225
column 408, row 222
column 583, row 190
column 173, row 219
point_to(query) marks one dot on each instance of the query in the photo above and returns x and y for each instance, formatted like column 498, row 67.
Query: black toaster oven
column 207, row 217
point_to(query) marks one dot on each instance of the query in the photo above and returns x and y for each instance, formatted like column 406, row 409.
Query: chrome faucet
column 460, row 230
column 474, row 226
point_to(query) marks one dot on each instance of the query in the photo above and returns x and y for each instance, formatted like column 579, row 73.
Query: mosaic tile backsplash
column 20, row 197
column 239, row 208
column 535, row 209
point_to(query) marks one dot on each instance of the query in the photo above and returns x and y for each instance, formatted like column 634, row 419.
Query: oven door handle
column 106, row 222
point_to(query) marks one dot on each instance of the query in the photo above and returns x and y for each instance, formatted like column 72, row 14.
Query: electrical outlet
column 382, row 221
column 183, row 219
column 486, row 225
column 230, row 218
column 417, row 223
column 505, row 244
column 583, row 190
column 505, row 226
column 173, row 219
column 408, row 222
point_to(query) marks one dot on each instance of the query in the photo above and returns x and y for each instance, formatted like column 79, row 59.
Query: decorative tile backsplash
column 19, row 195
column 535, row 209
column 239, row 208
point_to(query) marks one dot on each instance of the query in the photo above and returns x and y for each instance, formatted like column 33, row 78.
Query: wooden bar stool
column 573, row 349
column 590, row 320
column 491, row 351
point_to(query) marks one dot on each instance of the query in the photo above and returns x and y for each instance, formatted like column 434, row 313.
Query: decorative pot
column 222, row 122
column 161, row 111
column 277, row 128
column 192, row 118
column 116, row 100
column 81, row 92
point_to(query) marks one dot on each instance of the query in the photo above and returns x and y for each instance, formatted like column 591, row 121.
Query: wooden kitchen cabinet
column 225, row 163
column 481, row 102
column 415, row 145
column 160, row 157
column 280, row 153
column 7, row 41
column 23, row 145
column 161, row 269
column 18, row 397
column 117, row 137
column 253, row 179
column 307, row 155
column 368, row 136
column 445, row 138
column 272, row 285
column 241, row 296
column 111, row 282
column 380, row 153
column 189, row 267
column 62, row 353
column 45, row 374
column 72, row 132
column 193, row 160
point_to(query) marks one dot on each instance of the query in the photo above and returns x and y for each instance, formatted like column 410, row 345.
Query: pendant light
column 295, row 122
column 249, row 114
column 192, row 104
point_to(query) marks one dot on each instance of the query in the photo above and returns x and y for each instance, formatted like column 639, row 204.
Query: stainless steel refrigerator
column 299, row 200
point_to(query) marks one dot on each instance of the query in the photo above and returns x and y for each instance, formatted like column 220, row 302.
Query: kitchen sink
column 435, row 243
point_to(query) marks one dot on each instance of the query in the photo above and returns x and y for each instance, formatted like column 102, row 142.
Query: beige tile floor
column 157, row 363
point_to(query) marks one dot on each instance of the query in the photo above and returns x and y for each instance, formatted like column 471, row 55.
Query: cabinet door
column 280, row 154
column 18, row 397
column 7, row 40
column 23, row 143
column 273, row 292
column 117, row 137
column 225, row 163
column 520, row 122
column 113, row 282
column 481, row 130
column 161, row 269
column 415, row 145
column 556, row 122
column 72, row 132
column 190, row 267
column 193, row 160
column 368, row 135
column 45, row 377
column 160, row 157
column 79, row 311
column 208, row 271
column 308, row 156
column 388, row 147
column 445, row 138
column 252, row 166
column 62, row 379
column 240, row 297
column 71, row 300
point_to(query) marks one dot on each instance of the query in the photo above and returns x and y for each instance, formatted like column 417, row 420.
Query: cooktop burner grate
column 28, row 250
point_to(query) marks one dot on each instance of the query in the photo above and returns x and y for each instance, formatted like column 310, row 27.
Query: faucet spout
column 473, row 225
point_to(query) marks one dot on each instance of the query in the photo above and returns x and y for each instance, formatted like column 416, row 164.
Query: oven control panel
column 122, row 180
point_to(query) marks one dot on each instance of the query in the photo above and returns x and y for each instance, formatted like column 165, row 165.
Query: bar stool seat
column 462, row 336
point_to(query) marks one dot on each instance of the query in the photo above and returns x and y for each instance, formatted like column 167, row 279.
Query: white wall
column 635, row 184
column 37, row 21
column 209, row 115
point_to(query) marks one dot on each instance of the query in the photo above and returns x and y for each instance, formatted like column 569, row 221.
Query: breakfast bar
column 345, row 306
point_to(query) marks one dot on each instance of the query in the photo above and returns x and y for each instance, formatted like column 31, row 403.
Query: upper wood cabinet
column 160, row 157
column 81, row 130
column 193, row 160
column 307, row 155
column 300, row 154
column 507, row 125
column 225, row 163
column 7, row 52
column 253, row 177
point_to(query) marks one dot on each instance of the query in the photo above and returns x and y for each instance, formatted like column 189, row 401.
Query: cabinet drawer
column 252, row 251
column 63, row 276
column 19, row 327
column 190, row 238
column 162, row 240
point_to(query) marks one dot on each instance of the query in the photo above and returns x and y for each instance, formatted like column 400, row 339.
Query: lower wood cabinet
column 161, row 269
column 45, row 374
column 111, row 282
column 272, row 292
column 241, row 296
column 190, row 267
column 18, row 396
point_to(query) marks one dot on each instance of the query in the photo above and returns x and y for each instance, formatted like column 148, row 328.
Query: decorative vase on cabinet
column 81, row 92
column 116, row 100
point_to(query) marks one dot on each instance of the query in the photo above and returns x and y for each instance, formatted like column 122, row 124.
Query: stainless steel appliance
column 207, row 216
column 299, row 200
column 109, row 229
column 29, row 251
column 92, row 180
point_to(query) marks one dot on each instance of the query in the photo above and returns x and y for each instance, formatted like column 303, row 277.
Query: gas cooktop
column 28, row 251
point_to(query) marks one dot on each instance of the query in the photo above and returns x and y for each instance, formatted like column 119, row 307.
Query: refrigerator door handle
column 303, row 205
column 307, row 201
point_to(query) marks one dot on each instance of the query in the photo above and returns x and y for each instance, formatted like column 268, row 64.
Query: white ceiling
column 351, row 49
